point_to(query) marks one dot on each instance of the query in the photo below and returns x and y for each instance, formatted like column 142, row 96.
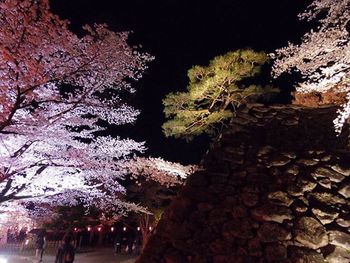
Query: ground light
column 3, row 260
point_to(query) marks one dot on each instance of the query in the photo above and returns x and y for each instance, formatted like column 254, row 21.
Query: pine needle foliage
column 213, row 94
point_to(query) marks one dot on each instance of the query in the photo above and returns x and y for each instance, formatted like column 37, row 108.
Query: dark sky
column 180, row 34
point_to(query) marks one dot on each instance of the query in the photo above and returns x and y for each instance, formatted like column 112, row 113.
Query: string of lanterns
column 111, row 229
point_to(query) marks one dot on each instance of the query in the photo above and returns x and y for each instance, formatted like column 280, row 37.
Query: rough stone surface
column 302, row 255
column 237, row 229
column 339, row 255
column 275, row 188
column 343, row 222
column 250, row 199
column 323, row 216
column 301, row 187
column 307, row 162
column 280, row 198
column 310, row 233
column 269, row 212
column 345, row 191
column 328, row 198
column 342, row 170
column 332, row 175
column 339, row 239
column 275, row 252
column 325, row 182
column 293, row 169
column 272, row 232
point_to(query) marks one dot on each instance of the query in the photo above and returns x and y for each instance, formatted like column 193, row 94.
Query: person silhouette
column 40, row 245
column 65, row 252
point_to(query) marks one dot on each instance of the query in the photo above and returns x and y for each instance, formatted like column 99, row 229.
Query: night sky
column 180, row 34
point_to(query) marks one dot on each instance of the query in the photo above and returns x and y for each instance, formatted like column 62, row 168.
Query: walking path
column 105, row 255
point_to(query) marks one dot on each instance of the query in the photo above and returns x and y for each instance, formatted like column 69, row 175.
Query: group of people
column 129, row 241
column 14, row 236
column 65, row 252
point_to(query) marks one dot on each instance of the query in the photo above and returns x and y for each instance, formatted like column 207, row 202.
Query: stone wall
column 276, row 188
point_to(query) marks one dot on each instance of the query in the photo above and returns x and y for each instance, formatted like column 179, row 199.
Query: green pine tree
column 213, row 94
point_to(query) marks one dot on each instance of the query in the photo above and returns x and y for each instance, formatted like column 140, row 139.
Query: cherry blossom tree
column 52, row 89
column 323, row 56
column 157, row 182
column 159, row 170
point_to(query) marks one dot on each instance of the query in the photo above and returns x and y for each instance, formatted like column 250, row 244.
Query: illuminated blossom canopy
column 53, row 86
column 323, row 56
column 159, row 170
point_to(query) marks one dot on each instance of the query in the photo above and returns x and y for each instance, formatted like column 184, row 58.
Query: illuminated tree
column 52, row 85
column 158, row 170
column 213, row 94
column 323, row 56
column 158, row 185
column 154, row 182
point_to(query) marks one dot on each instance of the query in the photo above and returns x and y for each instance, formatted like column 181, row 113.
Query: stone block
column 339, row 239
column 273, row 232
column 311, row 233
